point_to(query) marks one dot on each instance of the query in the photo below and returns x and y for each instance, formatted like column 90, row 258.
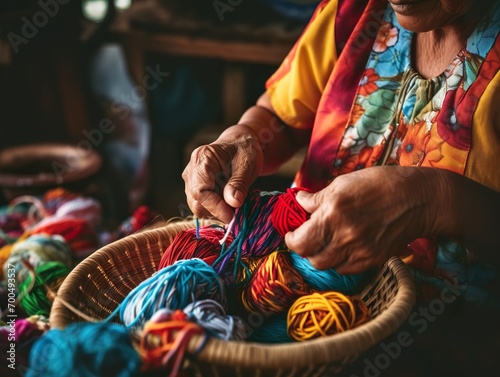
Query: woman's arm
column 278, row 141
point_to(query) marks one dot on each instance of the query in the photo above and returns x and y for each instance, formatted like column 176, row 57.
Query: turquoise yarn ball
column 326, row 280
column 85, row 349
column 173, row 287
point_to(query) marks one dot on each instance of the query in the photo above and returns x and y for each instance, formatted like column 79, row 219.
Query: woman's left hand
column 363, row 218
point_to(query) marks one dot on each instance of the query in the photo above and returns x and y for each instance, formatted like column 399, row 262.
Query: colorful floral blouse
column 350, row 80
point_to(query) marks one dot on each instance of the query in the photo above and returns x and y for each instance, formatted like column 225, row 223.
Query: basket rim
column 86, row 164
column 285, row 355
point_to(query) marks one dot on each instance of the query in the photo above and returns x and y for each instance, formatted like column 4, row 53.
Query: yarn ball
column 5, row 252
column 54, row 198
column 24, row 333
column 173, row 287
column 203, row 243
column 274, row 286
column 212, row 317
column 141, row 217
column 323, row 314
column 83, row 208
column 326, row 280
column 85, row 349
column 81, row 237
column 37, row 250
column 287, row 213
column 164, row 340
column 252, row 228
column 249, row 266
column 250, row 240
column 11, row 224
column 36, row 296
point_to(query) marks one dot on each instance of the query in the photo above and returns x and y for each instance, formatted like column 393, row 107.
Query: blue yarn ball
column 173, row 287
column 326, row 280
column 85, row 349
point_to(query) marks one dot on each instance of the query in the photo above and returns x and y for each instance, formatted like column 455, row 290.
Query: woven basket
column 98, row 285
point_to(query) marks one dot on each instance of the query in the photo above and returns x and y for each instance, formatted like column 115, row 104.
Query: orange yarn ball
column 323, row 314
column 164, row 340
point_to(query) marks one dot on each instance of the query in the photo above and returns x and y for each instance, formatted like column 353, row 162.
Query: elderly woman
column 399, row 105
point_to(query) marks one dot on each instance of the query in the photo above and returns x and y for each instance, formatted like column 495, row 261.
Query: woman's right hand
column 220, row 174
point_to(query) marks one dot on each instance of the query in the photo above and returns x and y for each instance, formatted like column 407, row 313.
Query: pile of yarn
column 43, row 237
column 178, row 301
column 188, row 294
column 281, row 294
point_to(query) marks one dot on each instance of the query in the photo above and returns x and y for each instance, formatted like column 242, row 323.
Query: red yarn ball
column 287, row 213
column 80, row 236
column 142, row 216
column 186, row 245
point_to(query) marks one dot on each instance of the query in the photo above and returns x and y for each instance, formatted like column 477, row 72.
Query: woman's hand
column 363, row 218
column 219, row 175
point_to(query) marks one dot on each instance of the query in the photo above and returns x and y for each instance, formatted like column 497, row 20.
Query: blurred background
column 110, row 97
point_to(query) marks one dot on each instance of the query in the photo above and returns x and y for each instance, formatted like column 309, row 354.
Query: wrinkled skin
column 220, row 174
column 363, row 218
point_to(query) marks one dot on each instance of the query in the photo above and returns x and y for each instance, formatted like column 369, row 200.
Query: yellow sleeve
column 483, row 164
column 296, row 87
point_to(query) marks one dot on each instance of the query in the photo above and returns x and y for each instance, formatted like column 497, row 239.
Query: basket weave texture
column 99, row 283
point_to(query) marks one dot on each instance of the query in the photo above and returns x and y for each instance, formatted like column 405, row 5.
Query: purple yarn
column 251, row 240
column 25, row 333
column 261, row 240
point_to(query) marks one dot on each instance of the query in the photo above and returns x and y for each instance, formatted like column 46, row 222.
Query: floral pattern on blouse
column 397, row 117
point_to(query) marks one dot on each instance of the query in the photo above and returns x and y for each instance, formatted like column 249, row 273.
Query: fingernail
column 301, row 195
column 238, row 195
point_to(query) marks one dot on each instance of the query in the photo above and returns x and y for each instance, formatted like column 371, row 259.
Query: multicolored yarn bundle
column 210, row 315
column 274, row 286
column 166, row 335
column 37, row 250
column 61, row 212
column 251, row 241
column 164, row 341
column 55, row 198
column 85, row 349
